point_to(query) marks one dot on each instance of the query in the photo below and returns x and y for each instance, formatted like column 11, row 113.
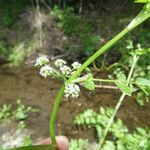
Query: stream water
column 27, row 85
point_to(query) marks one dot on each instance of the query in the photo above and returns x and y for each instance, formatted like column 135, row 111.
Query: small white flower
column 59, row 62
column 43, row 60
column 76, row 65
column 65, row 70
column 46, row 71
column 72, row 90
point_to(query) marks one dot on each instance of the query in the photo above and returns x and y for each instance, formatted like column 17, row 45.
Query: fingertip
column 62, row 142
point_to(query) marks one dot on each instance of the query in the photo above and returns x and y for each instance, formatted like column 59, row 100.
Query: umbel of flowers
column 59, row 70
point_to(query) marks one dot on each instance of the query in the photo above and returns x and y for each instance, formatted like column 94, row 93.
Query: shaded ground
column 26, row 84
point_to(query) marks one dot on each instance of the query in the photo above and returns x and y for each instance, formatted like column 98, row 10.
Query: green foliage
column 79, row 28
column 27, row 141
column 17, row 54
column 143, row 37
column 119, row 136
column 109, row 145
column 20, row 113
column 123, row 87
column 10, row 11
column 78, row 144
column 142, row 1
column 5, row 112
column 1, row 148
column 142, row 97
column 141, row 75
column 142, row 82
column 129, row 49
column 67, row 20
column 14, row 54
column 89, row 83
column 144, row 94
column 121, row 84
column 3, row 49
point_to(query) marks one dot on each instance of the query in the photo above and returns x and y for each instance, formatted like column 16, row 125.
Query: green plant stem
column 104, row 80
column 101, row 142
column 138, row 20
column 116, row 65
column 84, row 78
column 54, row 114
column 135, row 59
column 98, row 53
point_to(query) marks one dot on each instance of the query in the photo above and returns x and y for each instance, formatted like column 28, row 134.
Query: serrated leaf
column 142, row 81
column 89, row 84
column 36, row 147
column 123, row 87
column 121, row 76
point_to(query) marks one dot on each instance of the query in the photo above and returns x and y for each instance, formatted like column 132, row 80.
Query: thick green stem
column 54, row 114
column 104, row 80
column 101, row 142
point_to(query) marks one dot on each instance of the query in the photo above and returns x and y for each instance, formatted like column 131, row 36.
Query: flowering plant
column 73, row 75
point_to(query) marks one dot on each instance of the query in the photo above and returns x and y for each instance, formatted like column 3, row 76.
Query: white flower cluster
column 72, row 90
column 59, row 62
column 60, row 70
column 46, row 71
column 76, row 65
column 65, row 70
column 43, row 60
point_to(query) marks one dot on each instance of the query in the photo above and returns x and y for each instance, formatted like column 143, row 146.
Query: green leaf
column 142, row 1
column 142, row 81
column 36, row 147
column 89, row 84
column 123, row 87
column 120, row 146
column 139, row 99
column 121, row 76
column 144, row 90
column 143, row 51
column 109, row 146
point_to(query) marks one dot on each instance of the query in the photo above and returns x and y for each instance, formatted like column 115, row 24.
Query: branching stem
column 101, row 141
column 141, row 17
